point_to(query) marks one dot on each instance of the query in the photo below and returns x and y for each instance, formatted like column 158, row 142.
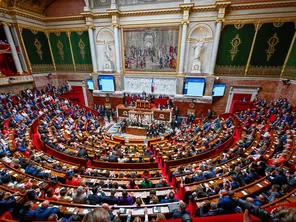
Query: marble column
column 22, row 55
column 15, row 56
column 92, row 49
column 215, row 47
column 182, row 49
column 117, row 49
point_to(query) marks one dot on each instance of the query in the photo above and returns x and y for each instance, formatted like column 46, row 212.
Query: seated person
column 181, row 210
column 169, row 198
column 214, row 210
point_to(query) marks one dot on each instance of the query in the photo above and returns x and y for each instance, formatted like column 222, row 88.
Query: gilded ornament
column 272, row 71
column 272, row 42
column 79, row 32
column 38, row 46
column 230, row 70
column 235, row 43
column 34, row 31
column 57, row 33
column 278, row 24
column 238, row 26
column 81, row 45
column 60, row 47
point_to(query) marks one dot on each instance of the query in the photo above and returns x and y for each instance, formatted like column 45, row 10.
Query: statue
column 196, row 65
column 197, row 49
column 108, row 53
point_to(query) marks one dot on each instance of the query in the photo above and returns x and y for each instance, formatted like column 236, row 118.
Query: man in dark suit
column 111, row 200
column 227, row 203
column 181, row 210
column 214, row 210
column 113, row 158
column 82, row 153
column 278, row 177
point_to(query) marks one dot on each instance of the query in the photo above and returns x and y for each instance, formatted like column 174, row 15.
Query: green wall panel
column 81, row 51
column 38, row 51
column 61, row 51
column 260, row 64
column 234, row 64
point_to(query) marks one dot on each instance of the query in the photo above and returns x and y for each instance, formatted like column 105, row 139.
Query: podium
column 143, row 104
column 143, row 117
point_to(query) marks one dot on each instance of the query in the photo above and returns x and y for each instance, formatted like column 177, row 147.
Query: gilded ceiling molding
column 263, row 5
column 255, row 21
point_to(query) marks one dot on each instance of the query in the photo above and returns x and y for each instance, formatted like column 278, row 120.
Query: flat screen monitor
column 90, row 84
column 106, row 83
column 218, row 89
column 194, row 86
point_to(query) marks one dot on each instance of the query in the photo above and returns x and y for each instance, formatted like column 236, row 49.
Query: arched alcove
column 199, row 32
column 104, row 36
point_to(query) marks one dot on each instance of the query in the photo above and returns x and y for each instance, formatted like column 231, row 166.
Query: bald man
column 42, row 213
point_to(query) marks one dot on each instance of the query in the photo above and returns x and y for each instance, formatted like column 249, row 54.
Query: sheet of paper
column 244, row 193
column 259, row 185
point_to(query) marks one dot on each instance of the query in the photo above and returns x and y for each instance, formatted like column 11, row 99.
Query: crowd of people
column 71, row 129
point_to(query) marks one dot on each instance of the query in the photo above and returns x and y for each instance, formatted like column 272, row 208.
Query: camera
column 255, row 210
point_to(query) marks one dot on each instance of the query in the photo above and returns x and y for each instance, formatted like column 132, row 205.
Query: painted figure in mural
column 197, row 49
column 108, row 51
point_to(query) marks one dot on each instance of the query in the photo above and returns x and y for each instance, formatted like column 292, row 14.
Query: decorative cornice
column 222, row 3
column 46, row 31
column 262, row 5
column 256, row 21
column 186, row 6
column 150, row 12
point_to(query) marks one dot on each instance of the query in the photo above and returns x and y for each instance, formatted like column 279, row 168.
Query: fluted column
column 117, row 50
column 92, row 49
column 183, row 45
column 215, row 47
column 15, row 56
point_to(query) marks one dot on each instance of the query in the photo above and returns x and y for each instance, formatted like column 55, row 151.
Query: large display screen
column 218, row 89
column 194, row 86
column 106, row 83
column 90, row 84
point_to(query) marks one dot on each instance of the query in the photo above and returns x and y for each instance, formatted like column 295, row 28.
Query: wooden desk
column 138, row 131
column 157, row 114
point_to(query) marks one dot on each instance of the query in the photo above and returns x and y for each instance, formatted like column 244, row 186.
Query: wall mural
column 151, row 49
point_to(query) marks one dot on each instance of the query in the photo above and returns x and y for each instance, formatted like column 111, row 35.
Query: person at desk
column 43, row 212
column 143, row 95
column 181, row 210
column 111, row 200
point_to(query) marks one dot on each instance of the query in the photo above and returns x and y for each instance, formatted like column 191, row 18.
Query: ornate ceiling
column 37, row 6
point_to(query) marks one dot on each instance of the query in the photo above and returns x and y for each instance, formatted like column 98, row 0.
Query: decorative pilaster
column 221, row 5
column 257, row 27
column 15, row 56
column 51, row 54
column 289, row 52
column 215, row 47
column 71, row 50
column 115, row 24
column 92, row 48
column 186, row 7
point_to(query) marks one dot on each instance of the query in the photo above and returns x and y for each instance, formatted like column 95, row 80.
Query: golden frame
column 150, row 26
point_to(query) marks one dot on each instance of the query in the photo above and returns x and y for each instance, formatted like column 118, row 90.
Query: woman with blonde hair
column 97, row 215
column 160, row 217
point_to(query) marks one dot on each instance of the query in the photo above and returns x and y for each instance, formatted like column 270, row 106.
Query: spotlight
column 286, row 81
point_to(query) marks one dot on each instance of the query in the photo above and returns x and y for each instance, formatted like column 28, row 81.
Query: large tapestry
column 151, row 49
